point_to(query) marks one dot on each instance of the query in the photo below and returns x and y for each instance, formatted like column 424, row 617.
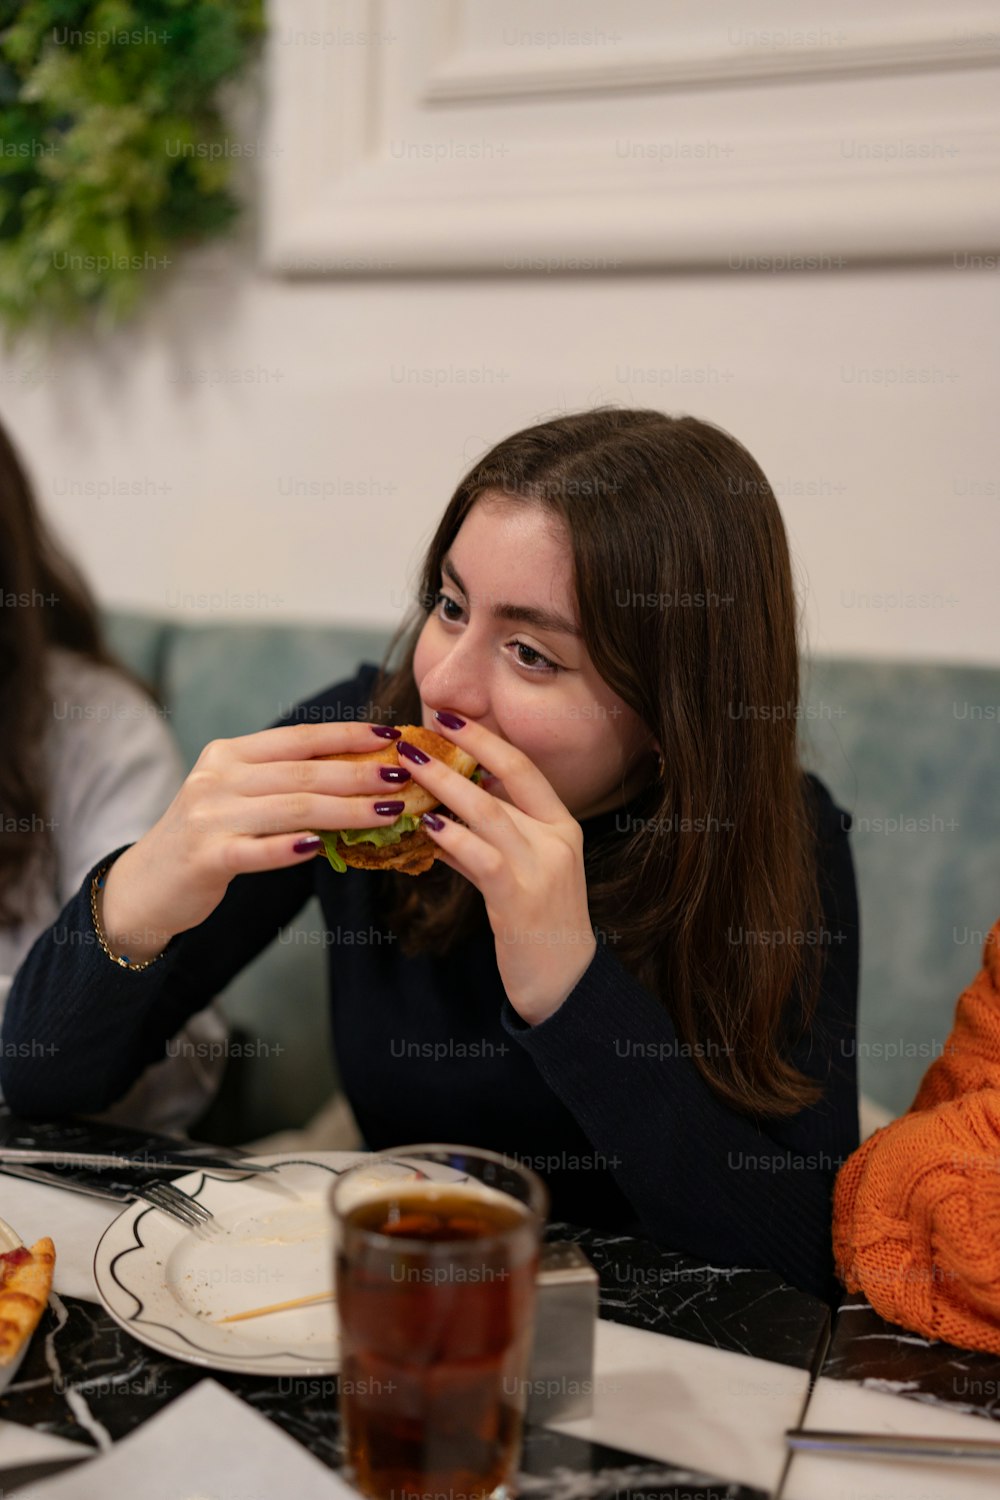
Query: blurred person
column 87, row 763
column 917, row 1209
column 634, row 964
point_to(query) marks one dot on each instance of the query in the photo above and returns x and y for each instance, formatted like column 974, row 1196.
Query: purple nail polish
column 389, row 809
column 386, row 731
column 418, row 757
column 394, row 773
column 431, row 820
column 308, row 845
column 450, row 721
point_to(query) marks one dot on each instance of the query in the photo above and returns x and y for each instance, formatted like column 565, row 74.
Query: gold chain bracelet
column 121, row 960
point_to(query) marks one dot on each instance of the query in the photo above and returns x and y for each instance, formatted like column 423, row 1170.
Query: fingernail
column 308, row 845
column 386, row 731
column 389, row 809
column 431, row 820
column 450, row 721
column 394, row 773
column 411, row 752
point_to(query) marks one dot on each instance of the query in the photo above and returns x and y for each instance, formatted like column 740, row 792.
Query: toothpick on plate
column 273, row 1307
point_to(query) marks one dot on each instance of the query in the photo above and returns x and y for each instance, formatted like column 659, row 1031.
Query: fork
column 179, row 1205
column 165, row 1196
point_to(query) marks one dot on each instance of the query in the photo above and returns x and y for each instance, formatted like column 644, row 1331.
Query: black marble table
column 82, row 1369
column 881, row 1356
column 878, row 1378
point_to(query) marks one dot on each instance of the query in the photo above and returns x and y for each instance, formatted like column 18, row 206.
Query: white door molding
column 416, row 136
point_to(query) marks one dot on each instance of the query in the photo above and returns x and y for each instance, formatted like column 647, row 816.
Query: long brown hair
column 44, row 602
column 686, row 603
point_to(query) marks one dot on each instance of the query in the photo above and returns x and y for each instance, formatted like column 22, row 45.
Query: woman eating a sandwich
column 632, row 963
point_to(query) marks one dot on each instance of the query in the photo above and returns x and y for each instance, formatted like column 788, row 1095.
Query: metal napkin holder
column 561, row 1373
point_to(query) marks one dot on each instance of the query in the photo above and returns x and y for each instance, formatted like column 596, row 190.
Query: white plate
column 272, row 1241
column 10, row 1240
column 168, row 1285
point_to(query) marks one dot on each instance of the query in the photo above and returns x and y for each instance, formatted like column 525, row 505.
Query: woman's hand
column 245, row 806
column 526, row 856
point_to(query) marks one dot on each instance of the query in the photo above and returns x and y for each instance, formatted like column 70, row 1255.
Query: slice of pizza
column 25, row 1283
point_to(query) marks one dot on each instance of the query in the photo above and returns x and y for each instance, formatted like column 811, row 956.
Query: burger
column 403, row 845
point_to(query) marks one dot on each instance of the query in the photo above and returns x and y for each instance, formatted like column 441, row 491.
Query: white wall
column 256, row 446
column 891, row 492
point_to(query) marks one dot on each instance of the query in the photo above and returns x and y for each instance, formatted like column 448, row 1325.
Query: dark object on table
column 130, row 1150
column 14, row 1477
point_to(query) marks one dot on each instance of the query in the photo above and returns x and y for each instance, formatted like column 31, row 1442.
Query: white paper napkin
column 26, row 1445
column 707, row 1409
column 73, row 1222
column 206, row 1445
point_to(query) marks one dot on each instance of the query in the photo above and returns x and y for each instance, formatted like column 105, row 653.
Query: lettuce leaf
column 381, row 836
column 390, row 834
column 330, row 845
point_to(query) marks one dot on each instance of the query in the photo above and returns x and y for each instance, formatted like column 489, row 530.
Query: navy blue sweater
column 602, row 1098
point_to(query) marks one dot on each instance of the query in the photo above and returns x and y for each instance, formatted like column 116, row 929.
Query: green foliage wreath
column 113, row 152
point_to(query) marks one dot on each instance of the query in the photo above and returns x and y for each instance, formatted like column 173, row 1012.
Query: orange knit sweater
column 916, row 1214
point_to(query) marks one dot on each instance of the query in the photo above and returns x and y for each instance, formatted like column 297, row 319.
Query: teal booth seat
column 911, row 750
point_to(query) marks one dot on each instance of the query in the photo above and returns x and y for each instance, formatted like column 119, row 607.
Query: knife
column 143, row 1161
column 896, row 1445
column 95, row 1186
